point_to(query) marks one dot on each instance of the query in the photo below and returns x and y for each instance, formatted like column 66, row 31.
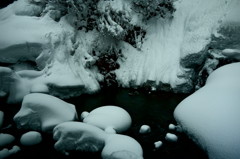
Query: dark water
column 155, row 110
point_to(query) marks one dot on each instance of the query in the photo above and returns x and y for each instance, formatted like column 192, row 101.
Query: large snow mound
column 211, row 115
column 43, row 112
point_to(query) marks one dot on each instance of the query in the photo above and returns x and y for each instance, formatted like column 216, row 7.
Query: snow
column 210, row 116
column 171, row 137
column 6, row 139
column 172, row 127
column 42, row 112
column 4, row 153
column 1, row 118
column 109, row 118
column 31, row 138
column 144, row 129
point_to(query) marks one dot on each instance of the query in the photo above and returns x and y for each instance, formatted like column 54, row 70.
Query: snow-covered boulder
column 171, row 137
column 77, row 136
column 144, row 129
column 6, row 139
column 112, row 119
column 4, row 153
column 1, row 118
column 121, row 147
column 31, row 138
column 211, row 115
column 158, row 144
column 232, row 53
column 42, row 112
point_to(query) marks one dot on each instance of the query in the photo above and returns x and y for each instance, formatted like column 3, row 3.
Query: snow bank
column 31, row 138
column 109, row 118
column 43, row 112
column 77, row 136
column 211, row 115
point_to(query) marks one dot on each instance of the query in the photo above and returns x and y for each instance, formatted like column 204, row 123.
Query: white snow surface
column 211, row 115
column 78, row 136
column 42, row 112
column 31, row 138
column 109, row 118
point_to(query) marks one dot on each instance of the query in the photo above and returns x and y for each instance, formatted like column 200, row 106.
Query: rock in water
column 31, row 138
column 109, row 118
column 42, row 112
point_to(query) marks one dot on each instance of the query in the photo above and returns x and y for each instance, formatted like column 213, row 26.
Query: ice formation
column 31, row 138
column 112, row 119
column 42, row 112
column 79, row 45
column 211, row 115
column 77, row 136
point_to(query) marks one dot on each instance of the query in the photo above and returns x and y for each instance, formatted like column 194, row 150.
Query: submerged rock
column 42, row 112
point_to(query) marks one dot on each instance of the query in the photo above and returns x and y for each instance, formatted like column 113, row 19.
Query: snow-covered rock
column 109, row 118
column 172, row 127
column 77, row 136
column 144, row 129
column 232, row 53
column 121, row 147
column 158, row 144
column 4, row 153
column 211, row 115
column 1, row 118
column 6, row 139
column 42, row 112
column 31, row 138
column 171, row 137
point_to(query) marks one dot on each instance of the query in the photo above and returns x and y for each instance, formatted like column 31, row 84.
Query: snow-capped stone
column 145, row 129
column 210, row 116
column 31, row 138
column 78, row 136
column 1, row 118
column 107, row 117
column 84, row 115
column 6, row 139
column 42, row 112
column 121, row 147
column 171, row 137
column 4, row 153
column 232, row 53
column 172, row 127
column 158, row 144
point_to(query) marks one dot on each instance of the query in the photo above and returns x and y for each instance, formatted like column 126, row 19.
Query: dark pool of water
column 155, row 110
